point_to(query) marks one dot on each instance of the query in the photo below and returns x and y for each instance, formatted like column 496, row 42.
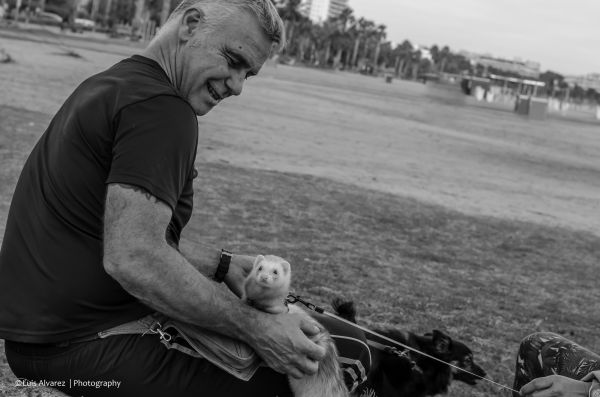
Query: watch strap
column 223, row 266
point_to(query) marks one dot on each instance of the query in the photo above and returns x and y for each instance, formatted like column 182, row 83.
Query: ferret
column 266, row 288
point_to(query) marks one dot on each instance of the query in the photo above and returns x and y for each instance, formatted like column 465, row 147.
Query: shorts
column 134, row 365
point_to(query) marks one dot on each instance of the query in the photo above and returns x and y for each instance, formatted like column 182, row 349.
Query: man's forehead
column 246, row 35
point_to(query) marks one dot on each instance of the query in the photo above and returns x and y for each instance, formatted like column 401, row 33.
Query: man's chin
column 202, row 112
column 201, row 108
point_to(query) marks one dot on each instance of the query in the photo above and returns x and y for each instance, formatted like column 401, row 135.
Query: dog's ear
column 442, row 343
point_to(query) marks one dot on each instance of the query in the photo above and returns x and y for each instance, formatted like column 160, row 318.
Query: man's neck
column 166, row 57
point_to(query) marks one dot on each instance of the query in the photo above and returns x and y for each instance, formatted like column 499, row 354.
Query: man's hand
column 555, row 386
column 282, row 342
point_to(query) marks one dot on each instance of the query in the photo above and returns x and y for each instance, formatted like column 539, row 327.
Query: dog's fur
column 409, row 374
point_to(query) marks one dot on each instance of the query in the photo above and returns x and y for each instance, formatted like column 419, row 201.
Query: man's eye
column 232, row 61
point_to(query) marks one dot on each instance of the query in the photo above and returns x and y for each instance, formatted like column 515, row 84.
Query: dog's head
column 419, row 375
column 457, row 354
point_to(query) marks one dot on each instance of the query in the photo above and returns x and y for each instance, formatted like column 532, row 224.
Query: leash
column 291, row 298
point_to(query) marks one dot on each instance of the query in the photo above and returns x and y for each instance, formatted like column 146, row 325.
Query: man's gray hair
column 264, row 10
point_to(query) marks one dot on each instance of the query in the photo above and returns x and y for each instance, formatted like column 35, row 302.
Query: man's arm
column 556, row 386
column 205, row 261
column 137, row 255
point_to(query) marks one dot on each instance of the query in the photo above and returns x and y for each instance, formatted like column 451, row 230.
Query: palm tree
column 362, row 28
column 290, row 13
column 444, row 56
column 415, row 62
column 379, row 35
column 165, row 11
column 341, row 37
column 402, row 53
column 304, row 37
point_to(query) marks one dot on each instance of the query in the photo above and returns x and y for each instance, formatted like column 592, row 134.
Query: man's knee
column 537, row 340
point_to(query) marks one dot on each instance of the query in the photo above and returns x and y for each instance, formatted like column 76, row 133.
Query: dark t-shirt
column 125, row 125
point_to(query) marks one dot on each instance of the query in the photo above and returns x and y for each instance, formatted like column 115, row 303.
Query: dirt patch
column 416, row 140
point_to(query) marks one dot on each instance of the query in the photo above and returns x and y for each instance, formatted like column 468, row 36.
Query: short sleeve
column 155, row 147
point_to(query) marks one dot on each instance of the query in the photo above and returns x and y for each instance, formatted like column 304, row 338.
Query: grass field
column 429, row 210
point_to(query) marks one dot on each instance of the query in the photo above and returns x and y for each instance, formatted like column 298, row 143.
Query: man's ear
column 192, row 19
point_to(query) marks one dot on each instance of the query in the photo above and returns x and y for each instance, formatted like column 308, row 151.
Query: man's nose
column 235, row 83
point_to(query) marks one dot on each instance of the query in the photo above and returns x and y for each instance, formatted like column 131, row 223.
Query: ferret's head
column 271, row 271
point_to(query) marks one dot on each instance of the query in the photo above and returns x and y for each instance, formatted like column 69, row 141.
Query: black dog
column 397, row 372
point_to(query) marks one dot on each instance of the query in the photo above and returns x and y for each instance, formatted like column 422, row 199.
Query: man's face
column 220, row 57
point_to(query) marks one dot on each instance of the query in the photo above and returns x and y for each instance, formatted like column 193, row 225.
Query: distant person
column 551, row 365
column 2, row 11
column 93, row 236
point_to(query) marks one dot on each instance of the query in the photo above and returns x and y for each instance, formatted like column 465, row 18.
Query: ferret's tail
column 344, row 309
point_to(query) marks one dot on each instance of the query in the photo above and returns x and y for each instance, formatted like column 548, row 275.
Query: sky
column 562, row 35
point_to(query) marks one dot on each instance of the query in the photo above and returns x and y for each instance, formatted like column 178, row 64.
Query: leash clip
column 156, row 328
column 291, row 298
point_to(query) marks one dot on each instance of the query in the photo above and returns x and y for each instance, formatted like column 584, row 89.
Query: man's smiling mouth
column 213, row 93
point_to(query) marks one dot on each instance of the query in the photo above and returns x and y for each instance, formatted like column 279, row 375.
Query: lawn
column 429, row 210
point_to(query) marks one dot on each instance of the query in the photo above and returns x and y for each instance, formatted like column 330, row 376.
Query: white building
column 589, row 81
column 524, row 68
column 319, row 11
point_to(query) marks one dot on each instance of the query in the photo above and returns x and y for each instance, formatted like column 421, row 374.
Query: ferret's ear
column 286, row 267
column 258, row 259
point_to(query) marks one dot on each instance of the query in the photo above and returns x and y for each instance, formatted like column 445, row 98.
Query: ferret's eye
column 260, row 268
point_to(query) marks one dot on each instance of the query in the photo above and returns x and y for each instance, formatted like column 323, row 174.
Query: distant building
column 425, row 52
column 523, row 68
column 319, row 11
column 589, row 81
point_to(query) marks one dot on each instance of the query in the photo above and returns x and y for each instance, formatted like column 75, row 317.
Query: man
column 93, row 234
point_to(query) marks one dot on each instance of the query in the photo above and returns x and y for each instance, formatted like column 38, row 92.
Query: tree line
column 356, row 43
column 343, row 42
column 349, row 42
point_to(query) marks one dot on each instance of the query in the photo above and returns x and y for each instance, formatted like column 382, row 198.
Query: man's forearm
column 163, row 279
column 201, row 257
column 205, row 260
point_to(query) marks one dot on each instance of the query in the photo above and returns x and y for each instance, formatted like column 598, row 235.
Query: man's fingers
column 308, row 367
column 316, row 352
column 310, row 327
column 536, row 385
column 295, row 373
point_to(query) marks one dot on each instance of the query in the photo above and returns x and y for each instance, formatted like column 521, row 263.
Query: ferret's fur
column 266, row 288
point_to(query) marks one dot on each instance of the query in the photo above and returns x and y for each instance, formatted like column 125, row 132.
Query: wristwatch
column 594, row 389
column 223, row 266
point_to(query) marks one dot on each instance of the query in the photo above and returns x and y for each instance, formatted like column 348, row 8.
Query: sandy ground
column 422, row 141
